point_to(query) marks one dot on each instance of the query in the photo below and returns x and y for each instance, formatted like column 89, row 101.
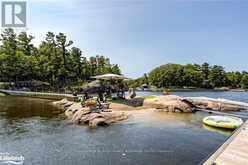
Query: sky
column 140, row 35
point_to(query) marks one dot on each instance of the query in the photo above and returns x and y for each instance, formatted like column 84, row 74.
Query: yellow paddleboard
column 228, row 122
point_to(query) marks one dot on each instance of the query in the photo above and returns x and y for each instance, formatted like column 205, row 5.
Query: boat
column 228, row 122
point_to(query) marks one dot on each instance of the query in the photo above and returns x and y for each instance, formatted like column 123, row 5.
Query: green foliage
column 244, row 81
column 167, row 75
column 176, row 75
column 24, row 43
column 55, row 61
column 233, row 79
column 205, row 70
column 191, row 75
column 138, row 82
column 217, row 76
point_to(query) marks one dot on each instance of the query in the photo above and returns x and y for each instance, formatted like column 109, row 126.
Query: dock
column 55, row 96
column 234, row 151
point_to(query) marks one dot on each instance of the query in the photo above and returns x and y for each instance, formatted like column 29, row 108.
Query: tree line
column 192, row 75
column 54, row 61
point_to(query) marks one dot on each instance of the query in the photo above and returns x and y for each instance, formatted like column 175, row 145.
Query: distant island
column 191, row 76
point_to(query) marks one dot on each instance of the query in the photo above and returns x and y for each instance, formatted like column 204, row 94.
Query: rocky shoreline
column 119, row 110
column 83, row 115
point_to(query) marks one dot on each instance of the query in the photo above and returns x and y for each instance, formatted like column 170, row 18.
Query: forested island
column 192, row 75
column 55, row 61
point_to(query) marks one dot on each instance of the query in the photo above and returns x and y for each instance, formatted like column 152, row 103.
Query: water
column 237, row 96
column 38, row 131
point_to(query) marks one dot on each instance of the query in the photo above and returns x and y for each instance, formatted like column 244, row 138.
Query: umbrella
column 95, row 83
column 93, row 87
column 110, row 76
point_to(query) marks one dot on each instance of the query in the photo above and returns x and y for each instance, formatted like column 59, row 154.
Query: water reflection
column 222, row 131
column 160, row 119
column 23, row 107
column 19, row 115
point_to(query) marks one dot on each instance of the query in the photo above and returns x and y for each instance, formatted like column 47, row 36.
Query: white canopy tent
column 110, row 76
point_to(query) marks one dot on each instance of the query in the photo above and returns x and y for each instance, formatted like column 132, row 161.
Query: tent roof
column 110, row 76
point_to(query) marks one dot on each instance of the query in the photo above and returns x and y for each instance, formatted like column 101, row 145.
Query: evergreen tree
column 244, row 81
column 217, row 76
column 53, row 61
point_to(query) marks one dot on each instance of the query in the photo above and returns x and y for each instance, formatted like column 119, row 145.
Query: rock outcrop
column 93, row 119
column 169, row 103
column 84, row 115
column 217, row 104
column 172, row 103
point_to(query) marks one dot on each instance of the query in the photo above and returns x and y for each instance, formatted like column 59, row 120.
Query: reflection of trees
column 19, row 115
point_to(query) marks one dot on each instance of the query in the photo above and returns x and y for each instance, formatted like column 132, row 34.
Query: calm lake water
column 36, row 129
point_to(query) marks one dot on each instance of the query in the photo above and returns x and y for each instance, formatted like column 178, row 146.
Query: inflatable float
column 228, row 122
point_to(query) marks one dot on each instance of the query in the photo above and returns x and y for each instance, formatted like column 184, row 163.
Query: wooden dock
column 55, row 96
column 234, row 151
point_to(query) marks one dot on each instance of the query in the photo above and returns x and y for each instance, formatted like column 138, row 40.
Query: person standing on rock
column 132, row 93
